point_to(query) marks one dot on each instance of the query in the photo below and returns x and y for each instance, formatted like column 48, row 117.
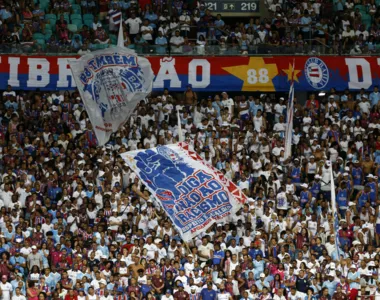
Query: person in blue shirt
column 318, row 248
column 261, row 283
column 218, row 256
column 330, row 284
column 374, row 97
column 254, row 106
column 254, row 251
column 233, row 236
column 305, row 25
column 18, row 261
column 258, row 264
column 146, row 288
column 208, row 293
column 161, row 43
column 219, row 24
column 53, row 191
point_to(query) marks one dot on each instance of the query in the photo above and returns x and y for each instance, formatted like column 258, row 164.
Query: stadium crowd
column 339, row 26
column 77, row 224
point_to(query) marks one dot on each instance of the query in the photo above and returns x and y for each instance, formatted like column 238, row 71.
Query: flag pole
column 334, row 211
column 180, row 136
column 120, row 38
column 289, row 118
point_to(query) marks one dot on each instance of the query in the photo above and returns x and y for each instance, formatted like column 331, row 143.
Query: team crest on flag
column 111, row 83
column 194, row 194
column 316, row 72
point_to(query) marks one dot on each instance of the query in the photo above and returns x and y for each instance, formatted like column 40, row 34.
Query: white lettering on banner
column 252, row 76
column 167, row 72
column 64, row 73
column 13, row 71
column 353, row 65
column 38, row 72
column 206, row 71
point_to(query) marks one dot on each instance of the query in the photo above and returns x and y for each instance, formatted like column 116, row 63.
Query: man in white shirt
column 6, row 195
column 152, row 249
column 295, row 295
column 6, row 288
column 228, row 102
column 365, row 105
column 146, row 31
column 185, row 21
column 134, row 26
column 176, row 42
column 189, row 266
column 205, row 250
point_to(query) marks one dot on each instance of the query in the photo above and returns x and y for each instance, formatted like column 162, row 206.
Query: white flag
column 193, row 193
column 111, row 83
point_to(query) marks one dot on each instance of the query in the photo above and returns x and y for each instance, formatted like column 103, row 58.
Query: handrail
column 191, row 49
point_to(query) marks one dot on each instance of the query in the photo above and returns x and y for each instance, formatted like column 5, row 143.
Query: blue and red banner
column 232, row 73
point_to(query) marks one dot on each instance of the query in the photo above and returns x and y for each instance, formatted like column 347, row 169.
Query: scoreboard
column 237, row 7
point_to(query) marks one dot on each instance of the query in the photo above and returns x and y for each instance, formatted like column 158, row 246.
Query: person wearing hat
column 353, row 278
column 373, row 195
column 315, row 186
column 34, row 259
column 167, row 295
column 181, row 294
column 305, row 195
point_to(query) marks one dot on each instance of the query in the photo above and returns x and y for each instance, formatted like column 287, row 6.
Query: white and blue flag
column 194, row 194
column 111, row 83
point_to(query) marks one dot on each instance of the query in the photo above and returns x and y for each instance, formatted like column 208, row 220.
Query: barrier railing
column 310, row 48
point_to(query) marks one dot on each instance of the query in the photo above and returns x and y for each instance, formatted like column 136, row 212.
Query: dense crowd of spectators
column 77, row 224
column 190, row 27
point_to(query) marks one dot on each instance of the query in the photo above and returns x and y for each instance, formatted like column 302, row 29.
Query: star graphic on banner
column 290, row 71
column 256, row 75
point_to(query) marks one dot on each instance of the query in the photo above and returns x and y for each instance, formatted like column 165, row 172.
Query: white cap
column 371, row 264
column 103, row 281
column 351, row 203
column 370, row 176
column 262, row 275
column 356, row 243
column 352, row 267
column 304, row 185
column 34, row 247
column 317, row 176
column 193, row 288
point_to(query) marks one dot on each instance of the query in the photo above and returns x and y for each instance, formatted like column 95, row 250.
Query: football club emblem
column 317, row 73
